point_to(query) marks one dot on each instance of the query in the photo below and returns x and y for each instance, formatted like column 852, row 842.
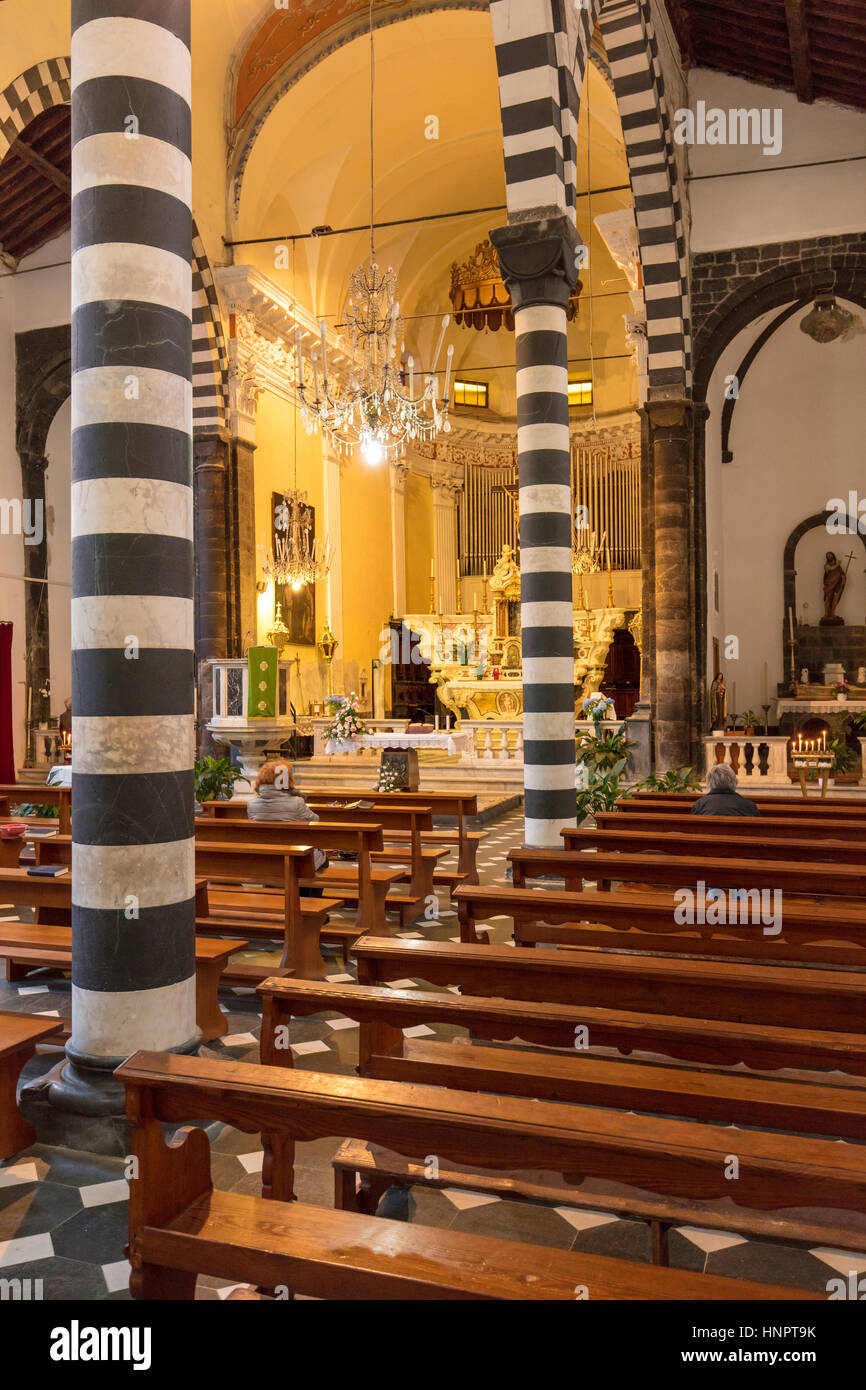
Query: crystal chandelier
column 297, row 558
column 379, row 411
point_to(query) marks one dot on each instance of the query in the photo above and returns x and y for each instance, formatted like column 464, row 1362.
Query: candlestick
column 432, row 594
column 484, row 608
column 459, row 608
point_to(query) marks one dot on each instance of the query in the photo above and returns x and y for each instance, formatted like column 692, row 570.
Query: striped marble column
column 538, row 266
column 133, row 917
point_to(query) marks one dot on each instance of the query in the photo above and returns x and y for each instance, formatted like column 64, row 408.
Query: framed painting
column 298, row 605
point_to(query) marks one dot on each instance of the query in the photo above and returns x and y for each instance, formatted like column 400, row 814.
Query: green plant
column 857, row 721
column 599, row 790
column 680, row 779
column 750, row 719
column 37, row 809
column 604, row 749
column 844, row 758
column 215, row 779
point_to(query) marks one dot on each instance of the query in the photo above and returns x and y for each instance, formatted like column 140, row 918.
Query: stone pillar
column 445, row 544
column 37, row 670
column 668, row 442
column 538, row 267
column 133, row 895
column 398, row 475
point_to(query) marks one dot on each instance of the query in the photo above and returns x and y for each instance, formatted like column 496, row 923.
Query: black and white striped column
column 538, row 266
column 133, row 917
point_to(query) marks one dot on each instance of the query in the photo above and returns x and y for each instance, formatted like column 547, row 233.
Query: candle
column 475, row 605
column 432, row 569
column 734, row 697
column 437, row 723
column 439, row 345
column 766, row 684
column 791, row 622
column 411, row 365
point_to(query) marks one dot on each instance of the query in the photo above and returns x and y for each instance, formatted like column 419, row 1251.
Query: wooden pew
column 784, row 996
column 297, row 920
column 40, row 794
column 371, row 886
column 27, row 946
column 461, row 805
column 800, row 807
column 683, row 843
column 803, row 920
column 180, row 1226
column 744, row 827
column 19, row 1034
column 576, row 1077
column 682, row 871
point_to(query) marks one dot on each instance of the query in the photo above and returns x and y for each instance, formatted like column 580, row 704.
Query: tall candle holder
column 484, row 609
column 432, row 594
column 766, row 709
column 459, row 607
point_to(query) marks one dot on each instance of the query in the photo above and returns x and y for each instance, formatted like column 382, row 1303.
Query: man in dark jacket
column 722, row 798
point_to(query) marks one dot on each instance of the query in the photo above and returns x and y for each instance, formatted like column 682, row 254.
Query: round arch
column 810, row 524
column 46, row 84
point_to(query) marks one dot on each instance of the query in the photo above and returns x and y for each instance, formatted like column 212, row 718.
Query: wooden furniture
column 180, row 1226
column 683, row 843
column 802, row 920
column 16, row 793
column 576, row 1077
column 722, row 1034
column 19, row 1034
column 663, row 803
column 743, row 827
column 789, row 877
column 28, row 946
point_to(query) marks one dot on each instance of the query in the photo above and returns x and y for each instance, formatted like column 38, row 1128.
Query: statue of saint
column 718, row 702
column 835, row 579
column 505, row 571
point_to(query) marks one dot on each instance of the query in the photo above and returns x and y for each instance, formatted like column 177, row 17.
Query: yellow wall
column 367, row 586
column 419, row 542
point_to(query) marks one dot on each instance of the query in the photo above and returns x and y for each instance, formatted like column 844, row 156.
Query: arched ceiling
column 309, row 166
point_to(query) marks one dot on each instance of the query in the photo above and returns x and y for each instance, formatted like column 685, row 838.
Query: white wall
column 36, row 299
column 797, row 440
column 58, row 528
column 775, row 203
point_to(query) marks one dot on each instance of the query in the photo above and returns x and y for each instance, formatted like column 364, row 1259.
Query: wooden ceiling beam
column 44, row 166
column 798, row 45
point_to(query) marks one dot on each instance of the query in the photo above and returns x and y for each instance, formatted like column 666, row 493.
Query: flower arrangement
column 346, row 722
column 388, row 780
column 840, row 687
column 597, row 706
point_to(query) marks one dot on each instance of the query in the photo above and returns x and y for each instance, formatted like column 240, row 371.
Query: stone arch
column 541, row 79
column 810, row 524
column 46, row 84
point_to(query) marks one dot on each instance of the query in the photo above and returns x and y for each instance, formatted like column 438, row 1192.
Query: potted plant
column 844, row 758
column 215, row 779
column 679, row 779
column 750, row 720
column 841, row 689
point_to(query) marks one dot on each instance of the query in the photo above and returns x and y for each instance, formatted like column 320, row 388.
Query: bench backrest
column 441, row 803
column 353, row 836
column 765, row 825
column 275, row 863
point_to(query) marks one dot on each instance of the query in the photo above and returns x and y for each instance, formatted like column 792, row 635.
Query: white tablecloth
column 451, row 742
column 819, row 706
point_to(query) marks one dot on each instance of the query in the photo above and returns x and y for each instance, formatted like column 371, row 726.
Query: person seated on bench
column 276, row 798
column 722, row 798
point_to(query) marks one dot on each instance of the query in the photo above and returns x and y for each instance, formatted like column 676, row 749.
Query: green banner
column 262, row 667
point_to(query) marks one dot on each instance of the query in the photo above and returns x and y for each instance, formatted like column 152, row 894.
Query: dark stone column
column 37, row 671
column 669, row 442
column 538, row 266
column 133, row 853
column 212, row 598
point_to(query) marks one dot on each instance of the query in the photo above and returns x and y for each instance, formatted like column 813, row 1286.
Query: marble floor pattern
column 63, row 1214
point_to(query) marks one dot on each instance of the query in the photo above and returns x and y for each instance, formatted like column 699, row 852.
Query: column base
column 80, row 1105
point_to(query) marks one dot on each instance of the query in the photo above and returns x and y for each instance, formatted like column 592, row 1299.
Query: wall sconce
column 261, row 586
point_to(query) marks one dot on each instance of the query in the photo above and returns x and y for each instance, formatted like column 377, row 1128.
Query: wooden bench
column 459, row 805
column 683, row 843
column 371, row 886
column 803, row 920
column 664, row 803
column 181, row 1227
column 744, row 827
column 718, row 1034
column 19, row 1034
column 40, row 794
column 29, row 946
column 682, row 871
column 576, row 1077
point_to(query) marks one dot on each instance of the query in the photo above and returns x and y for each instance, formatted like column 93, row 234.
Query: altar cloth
column 450, row 740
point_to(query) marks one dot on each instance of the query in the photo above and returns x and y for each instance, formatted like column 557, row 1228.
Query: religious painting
column 298, row 605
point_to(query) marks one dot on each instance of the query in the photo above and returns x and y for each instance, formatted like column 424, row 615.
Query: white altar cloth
column 818, row 706
column 450, row 741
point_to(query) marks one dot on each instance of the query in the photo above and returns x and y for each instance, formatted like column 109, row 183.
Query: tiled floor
column 63, row 1214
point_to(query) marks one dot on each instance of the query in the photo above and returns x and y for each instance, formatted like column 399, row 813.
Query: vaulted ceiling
column 816, row 48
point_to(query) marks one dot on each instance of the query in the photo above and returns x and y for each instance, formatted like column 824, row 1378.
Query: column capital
column 538, row 260
column 398, row 472
column 673, row 414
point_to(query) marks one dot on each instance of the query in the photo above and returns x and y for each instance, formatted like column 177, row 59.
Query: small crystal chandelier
column 379, row 411
column 297, row 558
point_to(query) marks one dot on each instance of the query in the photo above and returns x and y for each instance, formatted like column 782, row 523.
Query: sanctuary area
column 433, row 653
